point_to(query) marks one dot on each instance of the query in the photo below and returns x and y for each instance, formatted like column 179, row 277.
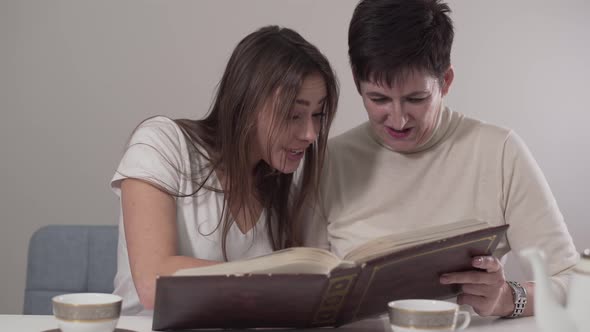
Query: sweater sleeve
column 315, row 229
column 533, row 215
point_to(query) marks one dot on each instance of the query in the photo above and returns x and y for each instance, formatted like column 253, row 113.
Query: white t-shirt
column 159, row 153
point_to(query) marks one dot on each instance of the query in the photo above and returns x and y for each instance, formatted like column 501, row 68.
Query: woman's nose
column 307, row 131
column 398, row 118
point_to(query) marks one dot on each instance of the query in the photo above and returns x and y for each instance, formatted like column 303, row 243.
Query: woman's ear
column 448, row 77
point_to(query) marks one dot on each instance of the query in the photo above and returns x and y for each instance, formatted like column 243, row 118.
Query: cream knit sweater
column 467, row 170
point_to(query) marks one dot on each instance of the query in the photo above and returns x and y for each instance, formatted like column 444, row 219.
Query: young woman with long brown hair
column 200, row 192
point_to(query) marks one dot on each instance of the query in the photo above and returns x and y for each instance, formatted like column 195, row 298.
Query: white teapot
column 550, row 315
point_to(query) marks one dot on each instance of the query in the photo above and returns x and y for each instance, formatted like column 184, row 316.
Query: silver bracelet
column 520, row 299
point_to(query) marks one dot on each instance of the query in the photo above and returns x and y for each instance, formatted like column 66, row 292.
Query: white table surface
column 32, row 323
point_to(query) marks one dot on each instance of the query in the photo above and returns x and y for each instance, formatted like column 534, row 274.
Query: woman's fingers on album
column 473, row 277
column 488, row 263
column 480, row 290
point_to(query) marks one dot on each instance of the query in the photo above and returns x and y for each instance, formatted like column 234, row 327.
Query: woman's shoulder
column 159, row 152
column 157, row 126
column 491, row 138
column 486, row 131
column 163, row 133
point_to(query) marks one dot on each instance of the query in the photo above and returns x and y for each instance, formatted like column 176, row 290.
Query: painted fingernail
column 478, row 261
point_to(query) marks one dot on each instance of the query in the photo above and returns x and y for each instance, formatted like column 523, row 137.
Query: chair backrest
column 69, row 259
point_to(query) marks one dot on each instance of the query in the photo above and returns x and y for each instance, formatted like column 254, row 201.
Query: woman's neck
column 245, row 207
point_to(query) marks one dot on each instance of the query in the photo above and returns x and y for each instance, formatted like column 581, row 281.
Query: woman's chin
column 286, row 164
column 287, row 170
column 288, row 167
column 399, row 145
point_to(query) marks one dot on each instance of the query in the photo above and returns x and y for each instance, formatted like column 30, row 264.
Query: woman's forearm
column 145, row 282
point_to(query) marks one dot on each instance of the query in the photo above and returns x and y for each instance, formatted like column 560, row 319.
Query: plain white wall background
column 77, row 76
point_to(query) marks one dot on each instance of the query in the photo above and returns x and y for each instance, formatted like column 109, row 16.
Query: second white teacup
column 426, row 315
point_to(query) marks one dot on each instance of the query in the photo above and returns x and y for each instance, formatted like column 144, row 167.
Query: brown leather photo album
column 310, row 287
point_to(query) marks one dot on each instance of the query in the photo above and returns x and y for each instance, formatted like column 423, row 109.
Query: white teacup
column 87, row 312
column 426, row 315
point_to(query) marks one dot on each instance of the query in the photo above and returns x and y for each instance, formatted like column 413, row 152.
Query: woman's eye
column 379, row 100
column 319, row 115
column 416, row 100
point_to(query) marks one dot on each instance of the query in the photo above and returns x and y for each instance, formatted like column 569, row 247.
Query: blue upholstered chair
column 69, row 259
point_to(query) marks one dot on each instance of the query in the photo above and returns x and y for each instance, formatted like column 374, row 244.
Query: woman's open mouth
column 404, row 133
column 295, row 155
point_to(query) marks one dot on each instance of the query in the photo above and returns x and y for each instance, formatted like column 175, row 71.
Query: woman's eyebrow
column 305, row 102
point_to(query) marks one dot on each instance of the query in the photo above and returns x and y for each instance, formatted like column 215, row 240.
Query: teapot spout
column 550, row 315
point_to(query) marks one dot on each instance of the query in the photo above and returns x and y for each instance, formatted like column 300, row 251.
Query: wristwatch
column 519, row 294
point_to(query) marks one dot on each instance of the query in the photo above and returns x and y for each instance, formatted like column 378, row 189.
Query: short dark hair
column 389, row 38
